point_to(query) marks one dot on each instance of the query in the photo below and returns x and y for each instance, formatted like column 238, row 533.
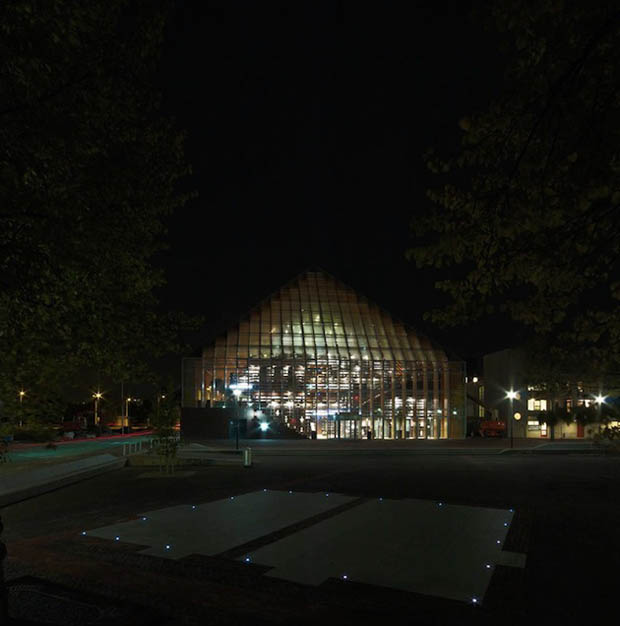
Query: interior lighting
column 498, row 541
column 117, row 538
column 488, row 566
column 193, row 506
column 505, row 523
column 232, row 497
column 167, row 546
column 144, row 519
column 474, row 600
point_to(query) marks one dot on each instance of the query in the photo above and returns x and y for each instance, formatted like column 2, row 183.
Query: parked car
column 492, row 428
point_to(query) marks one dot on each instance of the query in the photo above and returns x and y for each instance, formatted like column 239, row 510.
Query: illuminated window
column 536, row 405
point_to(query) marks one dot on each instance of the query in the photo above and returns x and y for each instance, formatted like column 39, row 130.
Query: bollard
column 247, row 457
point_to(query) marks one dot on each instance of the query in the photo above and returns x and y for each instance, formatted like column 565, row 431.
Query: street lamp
column 600, row 400
column 97, row 396
column 237, row 394
column 127, row 401
column 511, row 395
column 160, row 397
column 22, row 393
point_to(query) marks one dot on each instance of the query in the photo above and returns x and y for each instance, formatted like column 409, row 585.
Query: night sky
column 306, row 127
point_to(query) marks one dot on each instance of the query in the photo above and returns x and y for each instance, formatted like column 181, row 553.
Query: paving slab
column 215, row 527
column 414, row 545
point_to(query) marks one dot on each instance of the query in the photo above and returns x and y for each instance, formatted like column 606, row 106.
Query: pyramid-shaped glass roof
column 315, row 316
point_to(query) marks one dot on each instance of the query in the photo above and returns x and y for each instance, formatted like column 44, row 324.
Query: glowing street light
column 97, row 396
column 511, row 395
column 126, row 417
column 599, row 400
column 21, row 394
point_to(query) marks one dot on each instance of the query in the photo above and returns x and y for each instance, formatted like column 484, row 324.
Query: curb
column 509, row 451
column 37, row 490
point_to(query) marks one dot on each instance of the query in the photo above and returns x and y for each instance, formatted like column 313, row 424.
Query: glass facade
column 324, row 360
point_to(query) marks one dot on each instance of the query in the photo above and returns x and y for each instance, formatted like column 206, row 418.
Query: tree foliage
column 88, row 169
column 528, row 220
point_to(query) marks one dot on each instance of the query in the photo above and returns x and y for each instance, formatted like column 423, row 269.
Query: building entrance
column 349, row 429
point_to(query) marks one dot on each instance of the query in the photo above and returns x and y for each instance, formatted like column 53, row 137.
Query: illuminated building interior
column 325, row 361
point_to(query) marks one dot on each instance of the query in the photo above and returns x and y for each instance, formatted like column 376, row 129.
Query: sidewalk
column 471, row 446
column 33, row 469
column 18, row 486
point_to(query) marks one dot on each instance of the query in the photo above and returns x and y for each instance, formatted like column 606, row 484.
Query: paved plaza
column 426, row 547
column 450, row 539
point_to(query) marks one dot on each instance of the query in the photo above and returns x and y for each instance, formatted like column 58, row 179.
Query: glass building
column 325, row 361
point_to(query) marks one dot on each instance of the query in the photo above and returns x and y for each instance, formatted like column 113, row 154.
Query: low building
column 522, row 402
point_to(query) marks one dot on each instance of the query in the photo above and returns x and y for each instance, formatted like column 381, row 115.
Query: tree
column 88, row 169
column 164, row 421
column 527, row 222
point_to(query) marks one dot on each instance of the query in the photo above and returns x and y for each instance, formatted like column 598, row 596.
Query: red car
column 492, row 428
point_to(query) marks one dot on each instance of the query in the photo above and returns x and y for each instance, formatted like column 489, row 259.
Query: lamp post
column 22, row 393
column 97, row 396
column 127, row 401
column 600, row 400
column 511, row 395
column 236, row 394
column 160, row 397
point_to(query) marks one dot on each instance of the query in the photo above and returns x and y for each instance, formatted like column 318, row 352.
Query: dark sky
column 306, row 125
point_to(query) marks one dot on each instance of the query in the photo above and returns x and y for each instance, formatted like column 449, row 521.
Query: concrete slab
column 215, row 527
column 414, row 545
